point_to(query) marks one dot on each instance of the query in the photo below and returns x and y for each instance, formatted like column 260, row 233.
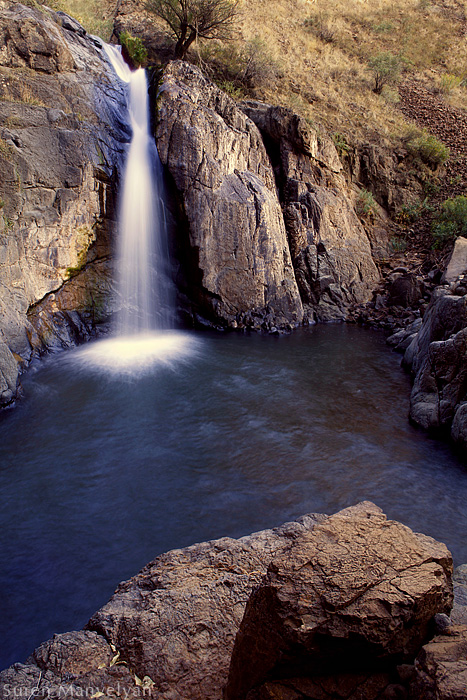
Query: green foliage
column 231, row 89
column 428, row 149
column 136, row 50
column 340, row 142
column 397, row 244
column 383, row 27
column 409, row 213
column 386, row 69
column 451, row 220
column 449, row 83
column 190, row 20
column 366, row 206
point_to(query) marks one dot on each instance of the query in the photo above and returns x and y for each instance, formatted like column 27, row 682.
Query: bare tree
column 189, row 20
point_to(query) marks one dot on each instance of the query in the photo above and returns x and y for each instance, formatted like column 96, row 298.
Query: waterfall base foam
column 137, row 353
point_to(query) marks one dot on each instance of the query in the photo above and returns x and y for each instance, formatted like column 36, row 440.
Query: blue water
column 101, row 472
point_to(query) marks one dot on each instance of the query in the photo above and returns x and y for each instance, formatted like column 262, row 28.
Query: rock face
column 330, row 250
column 437, row 358
column 441, row 668
column 330, row 605
column 356, row 594
column 61, row 141
column 176, row 621
column 238, row 257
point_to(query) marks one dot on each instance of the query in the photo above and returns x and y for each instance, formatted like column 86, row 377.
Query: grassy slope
column 313, row 55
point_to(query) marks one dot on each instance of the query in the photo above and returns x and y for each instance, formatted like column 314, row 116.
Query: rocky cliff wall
column 322, row 608
column 61, row 145
column 435, row 351
column 272, row 239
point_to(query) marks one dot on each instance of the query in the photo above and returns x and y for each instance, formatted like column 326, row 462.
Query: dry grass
column 312, row 55
column 96, row 16
column 321, row 48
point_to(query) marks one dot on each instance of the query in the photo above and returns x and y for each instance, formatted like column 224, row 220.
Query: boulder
column 405, row 290
column 176, row 621
column 344, row 598
column 353, row 596
column 457, row 264
column 236, row 258
column 62, row 140
column 441, row 668
column 330, row 249
column 436, row 358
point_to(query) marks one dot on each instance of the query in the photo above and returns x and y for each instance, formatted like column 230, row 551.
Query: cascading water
column 143, row 282
column 142, row 334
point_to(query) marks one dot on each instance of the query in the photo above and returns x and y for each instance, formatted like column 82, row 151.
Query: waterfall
column 142, row 334
column 143, row 279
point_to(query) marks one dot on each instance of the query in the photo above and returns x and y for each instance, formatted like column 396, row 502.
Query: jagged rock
column 405, row 290
column 72, row 665
column 441, row 668
column 355, row 595
column 331, row 252
column 61, row 140
column 401, row 340
column 176, row 620
column 239, row 263
column 436, row 357
column 445, row 315
column 458, row 262
column 459, row 610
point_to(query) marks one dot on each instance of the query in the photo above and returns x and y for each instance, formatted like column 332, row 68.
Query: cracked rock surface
column 355, row 595
column 325, row 607
column 237, row 255
column 61, row 140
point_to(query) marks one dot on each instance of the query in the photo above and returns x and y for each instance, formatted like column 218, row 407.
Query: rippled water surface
column 100, row 470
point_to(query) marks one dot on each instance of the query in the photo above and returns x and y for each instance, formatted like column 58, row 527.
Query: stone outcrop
column 237, row 258
column 330, row 249
column 436, row 356
column 440, row 671
column 354, row 596
column 61, row 142
column 344, row 599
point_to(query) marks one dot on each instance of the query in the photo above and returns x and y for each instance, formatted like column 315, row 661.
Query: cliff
column 61, row 146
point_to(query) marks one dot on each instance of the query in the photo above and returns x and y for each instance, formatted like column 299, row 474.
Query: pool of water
column 102, row 469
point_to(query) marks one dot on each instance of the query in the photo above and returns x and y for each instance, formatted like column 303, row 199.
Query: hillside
column 320, row 59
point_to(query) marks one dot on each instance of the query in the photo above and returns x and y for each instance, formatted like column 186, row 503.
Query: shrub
column 340, row 142
column 366, row 206
column 448, row 83
column 386, row 68
column 451, row 220
column 135, row 48
column 409, row 213
column 428, row 148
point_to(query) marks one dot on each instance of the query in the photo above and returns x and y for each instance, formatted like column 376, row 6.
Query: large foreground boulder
column 355, row 595
column 329, row 605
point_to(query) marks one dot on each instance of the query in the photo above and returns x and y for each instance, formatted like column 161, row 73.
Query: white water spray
column 143, row 281
column 143, row 336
